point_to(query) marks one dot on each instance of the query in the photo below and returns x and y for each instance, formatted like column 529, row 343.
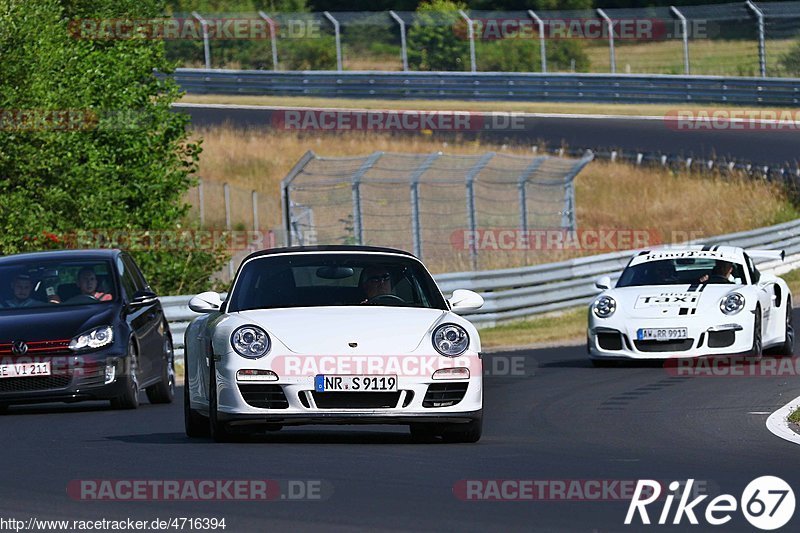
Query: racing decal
column 687, row 310
column 693, row 287
column 667, row 299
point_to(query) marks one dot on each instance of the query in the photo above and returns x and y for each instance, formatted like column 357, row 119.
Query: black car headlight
column 92, row 339
column 450, row 340
column 604, row 306
column 732, row 303
column 250, row 341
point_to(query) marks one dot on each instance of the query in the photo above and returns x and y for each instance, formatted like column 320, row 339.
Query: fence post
column 358, row 225
column 338, row 39
column 255, row 211
column 206, row 45
column 403, row 51
column 542, row 40
column 568, row 214
column 416, row 228
column 472, row 173
column 522, row 185
column 273, row 36
column 610, row 39
column 285, row 200
column 471, row 35
column 762, row 52
column 202, row 202
column 685, row 35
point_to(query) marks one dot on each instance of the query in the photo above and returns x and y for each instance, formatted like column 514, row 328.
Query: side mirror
column 464, row 300
column 205, row 302
column 143, row 297
column 603, row 283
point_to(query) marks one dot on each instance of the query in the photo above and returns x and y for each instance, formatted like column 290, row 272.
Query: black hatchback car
column 81, row 325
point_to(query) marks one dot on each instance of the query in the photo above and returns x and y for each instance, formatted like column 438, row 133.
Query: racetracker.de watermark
column 167, row 240
column 624, row 29
column 733, row 367
column 593, row 239
column 334, row 120
column 732, row 119
column 199, row 489
column 73, row 120
column 552, row 489
column 186, row 28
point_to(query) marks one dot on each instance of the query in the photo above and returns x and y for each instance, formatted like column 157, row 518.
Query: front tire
column 164, row 390
column 195, row 424
column 787, row 348
column 129, row 399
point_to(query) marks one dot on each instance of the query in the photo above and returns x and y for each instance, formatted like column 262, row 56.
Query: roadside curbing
column 778, row 422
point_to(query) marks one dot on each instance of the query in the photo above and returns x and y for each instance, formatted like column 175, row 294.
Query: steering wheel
column 388, row 298
column 81, row 298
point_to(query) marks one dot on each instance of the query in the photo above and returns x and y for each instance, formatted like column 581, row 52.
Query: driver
column 374, row 282
column 721, row 273
column 87, row 283
column 22, row 287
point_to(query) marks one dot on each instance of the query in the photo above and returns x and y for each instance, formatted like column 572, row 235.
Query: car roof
column 733, row 254
column 100, row 253
column 327, row 248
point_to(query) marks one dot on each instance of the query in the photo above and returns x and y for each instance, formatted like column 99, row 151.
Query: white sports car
column 697, row 301
column 333, row 335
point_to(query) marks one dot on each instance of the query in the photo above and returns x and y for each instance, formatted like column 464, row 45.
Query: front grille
column 721, row 339
column 57, row 347
column 264, row 396
column 444, row 394
column 664, row 346
column 356, row 400
column 38, row 383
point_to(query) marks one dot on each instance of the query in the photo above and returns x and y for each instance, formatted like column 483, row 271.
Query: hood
column 53, row 322
column 669, row 301
column 329, row 330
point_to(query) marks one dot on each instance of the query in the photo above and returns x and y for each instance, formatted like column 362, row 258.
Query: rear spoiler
column 766, row 254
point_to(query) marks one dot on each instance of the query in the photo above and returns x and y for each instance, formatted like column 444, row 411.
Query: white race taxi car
column 697, row 301
column 334, row 335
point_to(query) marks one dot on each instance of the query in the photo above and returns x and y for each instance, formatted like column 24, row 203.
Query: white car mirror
column 464, row 300
column 603, row 283
column 205, row 302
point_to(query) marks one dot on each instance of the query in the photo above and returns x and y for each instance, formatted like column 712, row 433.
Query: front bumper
column 618, row 340
column 73, row 379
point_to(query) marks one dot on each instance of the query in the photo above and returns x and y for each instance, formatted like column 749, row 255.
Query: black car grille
column 609, row 340
column 721, row 339
column 264, row 396
column 444, row 394
column 38, row 348
column 664, row 346
column 39, row 383
column 356, row 400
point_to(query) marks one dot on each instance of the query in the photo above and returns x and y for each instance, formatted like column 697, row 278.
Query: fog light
column 111, row 371
column 256, row 375
column 451, row 373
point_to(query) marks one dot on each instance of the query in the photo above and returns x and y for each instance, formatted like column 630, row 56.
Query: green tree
column 124, row 161
column 437, row 40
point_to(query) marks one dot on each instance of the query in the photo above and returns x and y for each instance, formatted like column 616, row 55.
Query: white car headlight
column 93, row 339
column 250, row 341
column 450, row 340
column 732, row 303
column 604, row 306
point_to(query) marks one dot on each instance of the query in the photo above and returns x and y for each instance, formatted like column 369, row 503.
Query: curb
column 778, row 424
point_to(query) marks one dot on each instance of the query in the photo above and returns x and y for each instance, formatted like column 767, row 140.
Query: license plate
column 662, row 334
column 24, row 370
column 333, row 383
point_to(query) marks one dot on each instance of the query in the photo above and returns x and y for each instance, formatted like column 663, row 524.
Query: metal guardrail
column 521, row 292
column 626, row 88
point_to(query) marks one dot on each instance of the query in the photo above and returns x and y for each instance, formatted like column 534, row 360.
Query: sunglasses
column 379, row 279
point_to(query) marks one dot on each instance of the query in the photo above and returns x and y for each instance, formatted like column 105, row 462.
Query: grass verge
column 656, row 110
column 793, row 279
column 795, row 416
column 552, row 328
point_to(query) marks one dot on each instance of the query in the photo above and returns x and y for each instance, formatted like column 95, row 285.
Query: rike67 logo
column 767, row 503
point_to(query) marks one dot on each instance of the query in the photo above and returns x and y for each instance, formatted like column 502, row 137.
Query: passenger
column 22, row 287
column 87, row 283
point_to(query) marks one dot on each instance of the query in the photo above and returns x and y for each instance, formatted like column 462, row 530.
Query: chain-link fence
column 450, row 210
column 738, row 39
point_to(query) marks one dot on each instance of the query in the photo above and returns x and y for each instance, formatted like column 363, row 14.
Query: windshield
column 55, row 283
column 315, row 280
column 682, row 271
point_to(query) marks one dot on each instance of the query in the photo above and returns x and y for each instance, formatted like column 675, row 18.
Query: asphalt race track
column 649, row 135
column 561, row 420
